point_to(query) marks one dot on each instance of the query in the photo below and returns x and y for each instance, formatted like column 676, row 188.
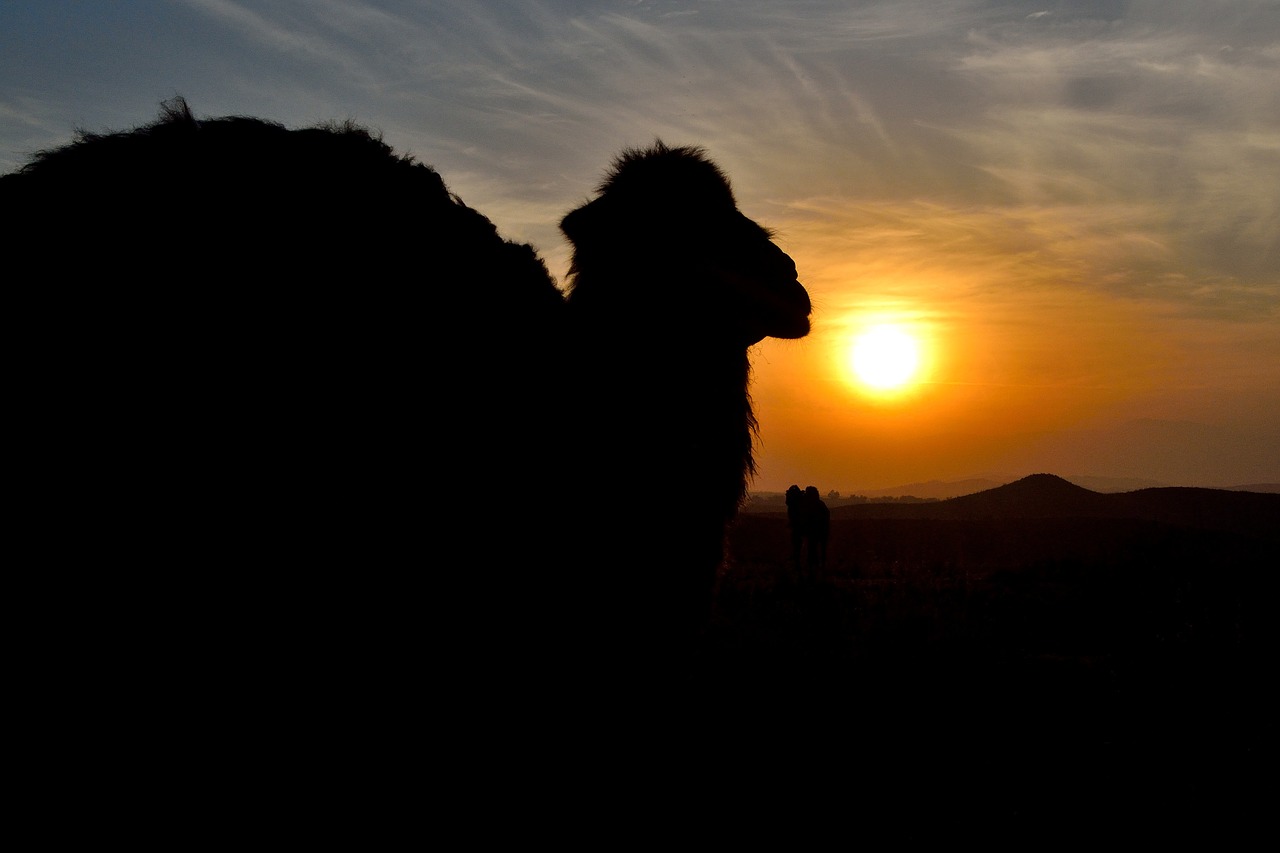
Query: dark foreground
column 1029, row 672
column 1031, row 633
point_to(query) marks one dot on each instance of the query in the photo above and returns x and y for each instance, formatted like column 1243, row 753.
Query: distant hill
column 1110, row 484
column 1266, row 488
column 936, row 489
column 942, row 489
column 1050, row 496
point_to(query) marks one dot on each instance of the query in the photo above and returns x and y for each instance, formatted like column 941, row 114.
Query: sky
column 1071, row 208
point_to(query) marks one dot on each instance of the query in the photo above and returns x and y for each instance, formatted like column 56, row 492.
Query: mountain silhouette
column 1036, row 496
column 939, row 489
column 1051, row 496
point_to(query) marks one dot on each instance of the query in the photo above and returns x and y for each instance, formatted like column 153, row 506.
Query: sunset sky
column 1072, row 208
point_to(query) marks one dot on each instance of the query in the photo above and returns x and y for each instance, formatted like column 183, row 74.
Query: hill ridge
column 1049, row 496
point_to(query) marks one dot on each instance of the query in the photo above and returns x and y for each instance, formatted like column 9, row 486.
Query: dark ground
column 1045, row 633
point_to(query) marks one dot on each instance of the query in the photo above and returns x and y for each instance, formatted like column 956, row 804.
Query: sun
column 885, row 357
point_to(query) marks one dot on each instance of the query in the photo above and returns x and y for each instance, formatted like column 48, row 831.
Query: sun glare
column 885, row 358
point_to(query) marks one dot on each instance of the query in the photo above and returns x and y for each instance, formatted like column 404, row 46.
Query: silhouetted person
column 810, row 522
column 819, row 530
column 797, row 520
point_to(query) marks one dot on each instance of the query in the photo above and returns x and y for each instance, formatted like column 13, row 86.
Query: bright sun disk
column 885, row 357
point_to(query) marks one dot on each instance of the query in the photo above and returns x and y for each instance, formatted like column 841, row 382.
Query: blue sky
column 1076, row 205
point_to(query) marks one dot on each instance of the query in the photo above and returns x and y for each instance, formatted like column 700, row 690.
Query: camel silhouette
column 670, row 286
column 287, row 375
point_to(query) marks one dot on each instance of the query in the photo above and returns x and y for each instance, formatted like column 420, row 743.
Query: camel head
column 668, row 215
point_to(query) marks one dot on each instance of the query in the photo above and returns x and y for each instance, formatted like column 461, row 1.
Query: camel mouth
column 788, row 317
column 797, row 329
column 793, row 309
